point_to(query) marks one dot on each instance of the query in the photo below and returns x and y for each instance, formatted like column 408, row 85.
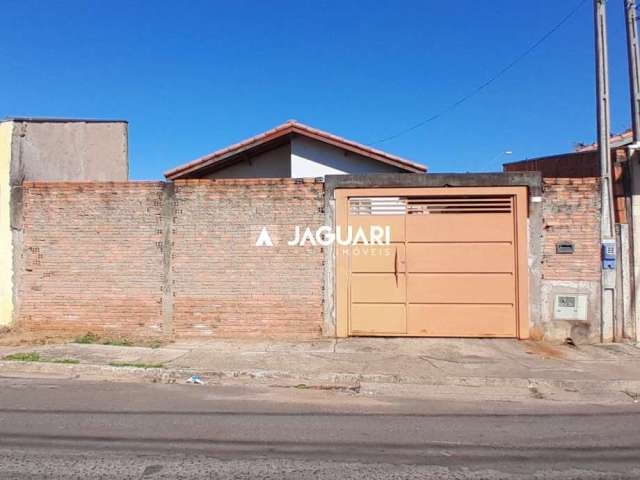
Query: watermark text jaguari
column 324, row 236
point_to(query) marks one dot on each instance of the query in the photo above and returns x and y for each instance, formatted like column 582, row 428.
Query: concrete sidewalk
column 481, row 368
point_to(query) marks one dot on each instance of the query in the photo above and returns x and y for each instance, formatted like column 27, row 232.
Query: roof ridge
column 293, row 126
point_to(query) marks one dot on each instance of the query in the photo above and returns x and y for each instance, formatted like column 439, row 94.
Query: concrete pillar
column 625, row 324
column 168, row 212
column 634, row 168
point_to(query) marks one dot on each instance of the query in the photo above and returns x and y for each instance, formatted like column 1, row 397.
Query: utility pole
column 634, row 73
column 607, row 229
column 633, row 160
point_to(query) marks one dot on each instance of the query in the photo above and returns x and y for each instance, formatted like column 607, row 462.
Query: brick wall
column 142, row 259
column 91, row 258
column 223, row 284
column 571, row 212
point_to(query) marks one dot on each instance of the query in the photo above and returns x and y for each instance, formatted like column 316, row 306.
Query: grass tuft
column 117, row 342
column 71, row 361
column 87, row 338
column 92, row 338
column 136, row 365
column 35, row 357
column 23, row 357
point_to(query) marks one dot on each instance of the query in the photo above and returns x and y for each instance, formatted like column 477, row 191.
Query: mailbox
column 564, row 248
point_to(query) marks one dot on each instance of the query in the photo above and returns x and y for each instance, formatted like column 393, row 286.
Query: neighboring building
column 293, row 150
column 51, row 149
column 616, row 141
column 571, row 260
column 48, row 149
column 584, row 163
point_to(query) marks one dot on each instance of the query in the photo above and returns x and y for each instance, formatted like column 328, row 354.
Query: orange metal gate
column 455, row 265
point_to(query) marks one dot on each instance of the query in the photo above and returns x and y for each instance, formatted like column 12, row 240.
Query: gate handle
column 395, row 264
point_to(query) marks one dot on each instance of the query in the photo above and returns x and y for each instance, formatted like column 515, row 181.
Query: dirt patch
column 12, row 338
column 544, row 350
column 16, row 338
column 536, row 333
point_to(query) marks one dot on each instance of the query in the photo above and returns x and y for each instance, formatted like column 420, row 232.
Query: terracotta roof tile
column 617, row 140
column 292, row 126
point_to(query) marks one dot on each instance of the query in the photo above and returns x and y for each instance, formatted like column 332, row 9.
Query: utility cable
column 484, row 85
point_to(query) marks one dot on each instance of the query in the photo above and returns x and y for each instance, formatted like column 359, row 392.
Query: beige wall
column 69, row 150
column 6, row 251
column 275, row 163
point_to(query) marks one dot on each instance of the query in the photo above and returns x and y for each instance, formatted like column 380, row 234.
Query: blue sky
column 194, row 76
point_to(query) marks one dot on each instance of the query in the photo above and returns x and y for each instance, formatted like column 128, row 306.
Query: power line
column 484, row 85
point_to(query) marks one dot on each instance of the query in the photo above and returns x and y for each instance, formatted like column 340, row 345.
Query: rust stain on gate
column 456, row 265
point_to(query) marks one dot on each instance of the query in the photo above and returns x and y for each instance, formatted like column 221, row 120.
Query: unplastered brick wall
column 223, row 284
column 146, row 259
column 571, row 213
column 91, row 258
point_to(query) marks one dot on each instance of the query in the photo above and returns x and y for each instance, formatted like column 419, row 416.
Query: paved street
column 73, row 429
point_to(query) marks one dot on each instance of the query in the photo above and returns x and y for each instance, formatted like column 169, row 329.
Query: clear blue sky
column 194, row 76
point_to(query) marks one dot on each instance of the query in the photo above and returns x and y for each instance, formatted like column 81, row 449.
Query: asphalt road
column 72, row 429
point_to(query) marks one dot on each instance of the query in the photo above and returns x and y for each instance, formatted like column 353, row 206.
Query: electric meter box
column 609, row 254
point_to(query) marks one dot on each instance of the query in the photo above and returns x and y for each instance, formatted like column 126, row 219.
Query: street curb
column 17, row 369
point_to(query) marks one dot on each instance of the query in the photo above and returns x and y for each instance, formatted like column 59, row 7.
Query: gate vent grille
column 428, row 205
column 377, row 206
column 462, row 204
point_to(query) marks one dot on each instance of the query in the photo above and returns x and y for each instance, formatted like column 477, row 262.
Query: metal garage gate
column 455, row 267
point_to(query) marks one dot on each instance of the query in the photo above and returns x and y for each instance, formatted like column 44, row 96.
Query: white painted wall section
column 311, row 158
column 6, row 248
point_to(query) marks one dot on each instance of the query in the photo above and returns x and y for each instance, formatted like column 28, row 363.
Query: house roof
column 237, row 152
column 618, row 140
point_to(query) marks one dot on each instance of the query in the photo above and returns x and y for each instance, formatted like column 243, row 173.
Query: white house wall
column 311, row 158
